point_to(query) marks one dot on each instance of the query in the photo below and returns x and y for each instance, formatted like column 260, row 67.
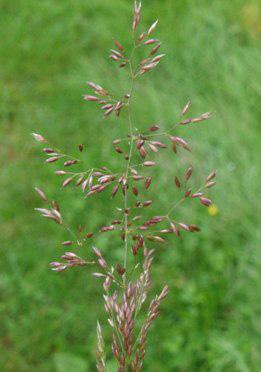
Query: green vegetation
column 48, row 50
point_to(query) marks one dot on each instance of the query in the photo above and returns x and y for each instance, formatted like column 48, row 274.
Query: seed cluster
column 126, row 285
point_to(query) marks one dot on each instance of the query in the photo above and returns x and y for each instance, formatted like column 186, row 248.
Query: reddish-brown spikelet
column 187, row 193
column 186, row 108
column 154, row 127
column 115, row 58
column 87, row 97
column 148, row 67
column 69, row 163
column 155, row 238
column 140, row 143
column 52, row 159
column 38, row 137
column 148, row 182
column 67, row 181
column 188, row 173
column 150, row 41
column 118, row 45
column 55, row 205
column 116, row 141
column 211, row 176
column 159, row 144
column 142, row 36
column 118, row 149
column 107, row 228
column 210, row 184
column 80, row 180
column 80, row 147
column 205, row 201
column 147, row 203
column 184, row 226
column 107, row 106
column 115, row 189
column 155, row 49
column 143, row 152
column 97, row 252
column 41, row 194
column 136, row 19
column 175, row 229
column 194, row 228
column 120, row 270
column 149, row 163
column 180, row 142
column 135, row 191
column 152, row 147
column 109, row 111
column 68, row 242
column 197, row 195
column 152, row 27
column 85, row 184
column 157, row 58
column 177, row 182
column 48, row 150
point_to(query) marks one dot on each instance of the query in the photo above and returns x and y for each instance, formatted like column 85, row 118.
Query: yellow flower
column 213, row 210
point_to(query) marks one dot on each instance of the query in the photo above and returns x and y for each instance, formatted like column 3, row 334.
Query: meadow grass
column 48, row 50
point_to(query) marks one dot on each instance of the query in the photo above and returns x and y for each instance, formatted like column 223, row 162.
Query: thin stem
column 181, row 201
column 59, row 152
column 69, row 156
column 78, row 240
column 175, row 206
column 128, row 166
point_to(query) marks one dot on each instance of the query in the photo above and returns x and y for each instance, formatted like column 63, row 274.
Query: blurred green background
column 48, row 50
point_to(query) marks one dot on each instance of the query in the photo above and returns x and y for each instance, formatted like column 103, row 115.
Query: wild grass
column 48, row 50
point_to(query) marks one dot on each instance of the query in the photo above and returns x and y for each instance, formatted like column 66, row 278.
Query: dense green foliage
column 48, row 50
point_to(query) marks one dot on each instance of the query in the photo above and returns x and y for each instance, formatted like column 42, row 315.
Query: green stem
column 128, row 168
